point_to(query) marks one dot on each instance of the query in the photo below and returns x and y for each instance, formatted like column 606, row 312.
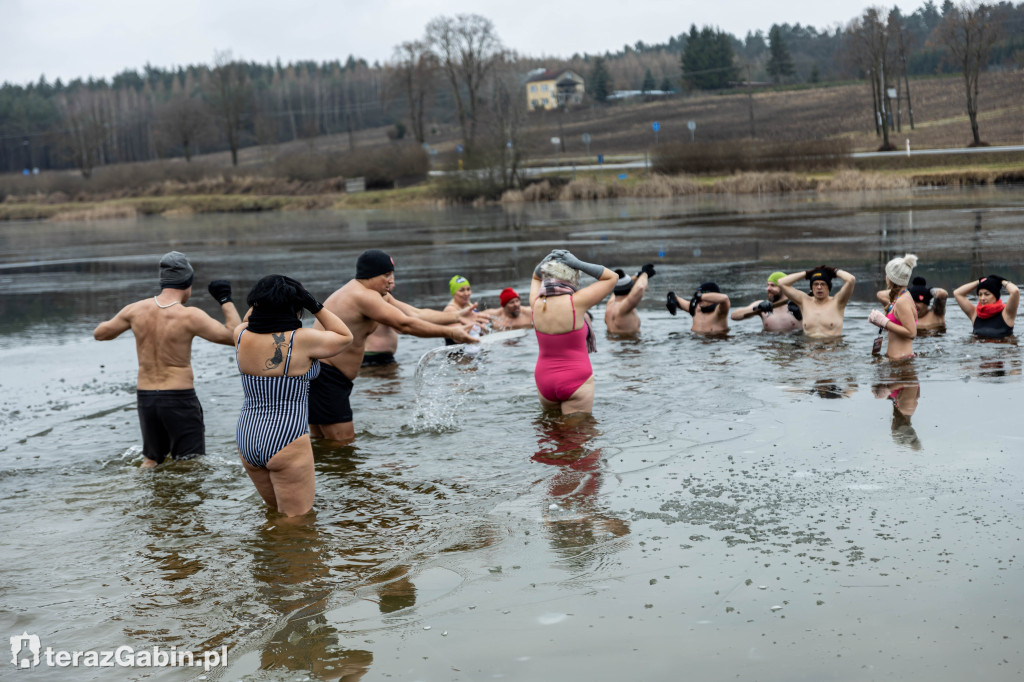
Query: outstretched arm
column 960, row 294
column 115, row 326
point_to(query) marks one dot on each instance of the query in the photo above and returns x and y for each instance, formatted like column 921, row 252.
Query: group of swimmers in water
column 297, row 381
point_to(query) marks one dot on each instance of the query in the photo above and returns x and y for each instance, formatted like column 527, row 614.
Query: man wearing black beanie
column 362, row 304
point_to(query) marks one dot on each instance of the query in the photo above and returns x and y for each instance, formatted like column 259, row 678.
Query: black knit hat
column 373, row 262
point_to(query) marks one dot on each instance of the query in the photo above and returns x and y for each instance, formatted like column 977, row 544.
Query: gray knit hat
column 898, row 269
column 175, row 271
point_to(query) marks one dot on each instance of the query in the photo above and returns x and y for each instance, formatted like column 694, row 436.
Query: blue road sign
column 656, row 126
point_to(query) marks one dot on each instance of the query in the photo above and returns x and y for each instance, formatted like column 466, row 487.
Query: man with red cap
column 512, row 314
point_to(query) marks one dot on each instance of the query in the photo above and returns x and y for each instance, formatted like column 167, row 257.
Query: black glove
column 649, row 269
column 220, row 289
column 672, row 303
column 304, row 298
column 764, row 307
column 695, row 301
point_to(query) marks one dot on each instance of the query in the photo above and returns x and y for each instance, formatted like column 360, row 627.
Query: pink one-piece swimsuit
column 563, row 364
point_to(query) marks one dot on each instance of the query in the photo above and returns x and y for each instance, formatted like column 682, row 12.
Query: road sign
column 458, row 148
column 691, row 125
column 600, row 158
column 556, row 140
column 656, row 126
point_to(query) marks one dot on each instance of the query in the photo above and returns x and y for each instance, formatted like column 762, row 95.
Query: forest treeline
column 427, row 90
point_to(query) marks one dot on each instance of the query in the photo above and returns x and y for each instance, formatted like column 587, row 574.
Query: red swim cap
column 507, row 295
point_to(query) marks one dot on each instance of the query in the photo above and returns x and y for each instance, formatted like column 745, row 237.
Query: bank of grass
column 588, row 186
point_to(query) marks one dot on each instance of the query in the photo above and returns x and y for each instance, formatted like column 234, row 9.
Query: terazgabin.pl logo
column 27, row 652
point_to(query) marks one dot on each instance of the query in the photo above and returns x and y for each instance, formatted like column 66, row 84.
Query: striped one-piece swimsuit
column 275, row 410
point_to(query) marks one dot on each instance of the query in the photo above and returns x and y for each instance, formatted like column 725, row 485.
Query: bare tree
column 868, row 43
column 184, row 120
column 467, row 48
column 230, row 96
column 82, row 116
column 506, row 132
column 415, row 71
column 969, row 32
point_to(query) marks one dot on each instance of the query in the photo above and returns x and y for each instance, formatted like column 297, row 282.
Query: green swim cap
column 456, row 283
column 775, row 277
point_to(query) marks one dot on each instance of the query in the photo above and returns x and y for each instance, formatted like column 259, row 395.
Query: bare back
column 620, row 316
column 163, row 343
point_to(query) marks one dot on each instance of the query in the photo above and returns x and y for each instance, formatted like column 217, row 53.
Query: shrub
column 749, row 155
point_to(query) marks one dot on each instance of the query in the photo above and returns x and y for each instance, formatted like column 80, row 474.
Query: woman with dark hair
column 991, row 318
column 565, row 336
column 277, row 359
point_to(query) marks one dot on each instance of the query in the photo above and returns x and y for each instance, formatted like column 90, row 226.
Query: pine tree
column 648, row 83
column 708, row 60
column 666, row 85
column 600, row 83
column 780, row 64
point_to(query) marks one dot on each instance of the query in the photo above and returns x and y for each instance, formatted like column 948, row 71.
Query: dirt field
column 940, row 117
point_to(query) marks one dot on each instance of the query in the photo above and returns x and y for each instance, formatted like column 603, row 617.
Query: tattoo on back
column 279, row 343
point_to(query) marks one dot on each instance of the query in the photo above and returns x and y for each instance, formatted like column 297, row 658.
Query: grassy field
column 841, row 111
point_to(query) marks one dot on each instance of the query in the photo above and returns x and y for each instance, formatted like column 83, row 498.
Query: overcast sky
column 82, row 38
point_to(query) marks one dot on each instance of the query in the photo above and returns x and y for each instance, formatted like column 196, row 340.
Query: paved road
column 640, row 163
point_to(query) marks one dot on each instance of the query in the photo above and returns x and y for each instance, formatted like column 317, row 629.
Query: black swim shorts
column 328, row 397
column 378, row 359
column 172, row 423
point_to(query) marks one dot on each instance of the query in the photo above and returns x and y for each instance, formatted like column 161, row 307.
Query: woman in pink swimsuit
column 563, row 374
column 900, row 317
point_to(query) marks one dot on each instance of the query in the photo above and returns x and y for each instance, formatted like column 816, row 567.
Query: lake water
column 756, row 507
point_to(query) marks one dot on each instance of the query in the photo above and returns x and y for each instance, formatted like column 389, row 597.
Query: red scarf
column 987, row 310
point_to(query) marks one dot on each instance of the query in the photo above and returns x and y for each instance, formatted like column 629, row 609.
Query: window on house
column 544, row 87
column 533, row 88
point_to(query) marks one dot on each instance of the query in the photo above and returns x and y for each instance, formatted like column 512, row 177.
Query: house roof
column 550, row 75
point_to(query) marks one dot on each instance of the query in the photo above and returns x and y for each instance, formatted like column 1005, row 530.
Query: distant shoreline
column 587, row 187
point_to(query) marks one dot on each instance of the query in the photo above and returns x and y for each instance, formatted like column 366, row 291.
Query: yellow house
column 553, row 89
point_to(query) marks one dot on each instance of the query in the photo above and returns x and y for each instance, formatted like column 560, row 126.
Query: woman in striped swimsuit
column 277, row 358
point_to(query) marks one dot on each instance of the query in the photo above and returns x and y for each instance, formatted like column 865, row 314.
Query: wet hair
column 556, row 270
column 274, row 292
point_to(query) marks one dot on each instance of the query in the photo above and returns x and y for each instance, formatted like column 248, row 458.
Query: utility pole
column 750, row 102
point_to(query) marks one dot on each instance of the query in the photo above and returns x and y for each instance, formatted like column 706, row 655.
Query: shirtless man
column 930, row 303
column 709, row 308
column 512, row 314
column 823, row 313
column 362, row 304
column 381, row 347
column 775, row 311
column 169, row 411
column 620, row 316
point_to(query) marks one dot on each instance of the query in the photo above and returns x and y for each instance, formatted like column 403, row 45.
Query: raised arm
column 939, row 297
column 960, row 294
column 791, row 292
column 883, row 296
column 115, row 326
column 719, row 299
column 635, row 294
column 333, row 339
column 846, row 291
column 1010, row 313
column 447, row 316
